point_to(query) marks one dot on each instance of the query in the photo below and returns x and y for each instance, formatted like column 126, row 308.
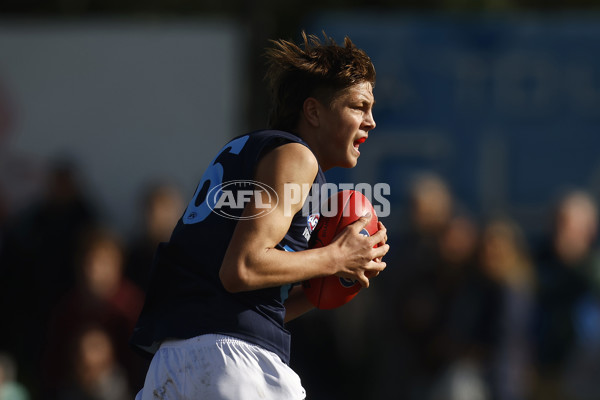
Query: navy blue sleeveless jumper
column 185, row 297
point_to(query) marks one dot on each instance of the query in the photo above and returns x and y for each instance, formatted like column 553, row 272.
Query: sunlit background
column 488, row 130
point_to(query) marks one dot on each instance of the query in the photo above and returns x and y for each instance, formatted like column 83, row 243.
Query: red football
column 346, row 207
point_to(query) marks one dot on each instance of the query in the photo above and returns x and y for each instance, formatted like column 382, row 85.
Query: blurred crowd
column 468, row 309
column 71, row 289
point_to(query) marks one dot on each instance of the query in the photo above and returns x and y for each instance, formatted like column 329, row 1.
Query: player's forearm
column 272, row 267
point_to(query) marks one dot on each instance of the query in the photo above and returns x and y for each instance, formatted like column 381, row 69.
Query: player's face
column 346, row 124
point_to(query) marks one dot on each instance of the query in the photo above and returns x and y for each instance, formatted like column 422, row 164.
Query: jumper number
column 201, row 206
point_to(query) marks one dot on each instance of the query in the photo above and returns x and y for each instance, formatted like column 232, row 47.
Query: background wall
column 129, row 103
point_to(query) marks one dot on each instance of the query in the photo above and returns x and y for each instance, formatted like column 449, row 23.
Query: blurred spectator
column 431, row 203
column 162, row 208
column 479, row 346
column 3, row 223
column 433, row 263
column 506, row 262
column 102, row 296
column 431, row 209
column 22, row 178
column 567, row 314
column 458, row 243
column 37, row 263
column 454, row 283
column 95, row 373
column 463, row 380
column 4, row 269
column 411, row 284
column 10, row 389
column 457, row 338
column 48, row 233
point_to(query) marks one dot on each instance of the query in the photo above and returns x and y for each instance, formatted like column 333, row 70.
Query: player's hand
column 359, row 258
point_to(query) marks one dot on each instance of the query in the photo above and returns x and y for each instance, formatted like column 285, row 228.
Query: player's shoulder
column 290, row 162
column 287, row 148
column 294, row 155
column 275, row 133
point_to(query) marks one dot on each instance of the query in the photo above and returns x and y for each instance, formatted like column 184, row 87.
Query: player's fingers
column 360, row 223
column 373, row 269
column 371, row 274
column 377, row 265
column 379, row 252
column 363, row 280
column 379, row 238
column 382, row 227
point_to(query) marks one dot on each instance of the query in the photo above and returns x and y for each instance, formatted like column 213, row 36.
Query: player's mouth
column 358, row 142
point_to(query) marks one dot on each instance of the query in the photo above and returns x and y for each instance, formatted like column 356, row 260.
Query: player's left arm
column 296, row 304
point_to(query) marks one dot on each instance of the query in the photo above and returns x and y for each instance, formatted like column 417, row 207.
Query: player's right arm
column 252, row 260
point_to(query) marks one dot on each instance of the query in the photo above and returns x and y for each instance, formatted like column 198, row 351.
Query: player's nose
column 369, row 121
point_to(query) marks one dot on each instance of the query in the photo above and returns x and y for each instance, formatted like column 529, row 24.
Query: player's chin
column 351, row 159
column 349, row 163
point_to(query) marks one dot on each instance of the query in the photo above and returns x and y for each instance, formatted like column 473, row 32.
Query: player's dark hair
column 315, row 69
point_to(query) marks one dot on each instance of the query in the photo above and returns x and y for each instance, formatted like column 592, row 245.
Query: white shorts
column 218, row 367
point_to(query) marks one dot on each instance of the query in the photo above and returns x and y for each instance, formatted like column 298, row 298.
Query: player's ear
column 310, row 108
